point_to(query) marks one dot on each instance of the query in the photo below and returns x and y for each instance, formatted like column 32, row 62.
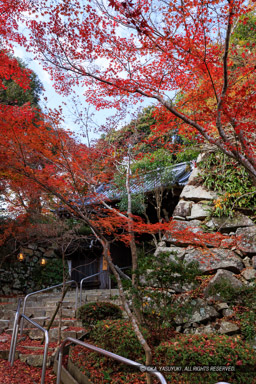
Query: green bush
column 193, row 351
column 118, row 337
column 50, row 274
column 157, row 276
column 91, row 313
column 231, row 181
column 248, row 325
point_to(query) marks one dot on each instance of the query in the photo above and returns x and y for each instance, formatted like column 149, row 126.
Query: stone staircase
column 40, row 308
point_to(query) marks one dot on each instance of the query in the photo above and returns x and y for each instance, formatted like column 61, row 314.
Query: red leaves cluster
column 174, row 48
column 22, row 373
column 183, row 234
column 182, row 48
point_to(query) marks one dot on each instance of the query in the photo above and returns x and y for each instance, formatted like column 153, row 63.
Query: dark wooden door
column 83, row 266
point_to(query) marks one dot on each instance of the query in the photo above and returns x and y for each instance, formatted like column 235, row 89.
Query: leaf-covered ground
column 21, row 373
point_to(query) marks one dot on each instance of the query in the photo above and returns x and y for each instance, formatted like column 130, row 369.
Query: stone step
column 65, row 304
column 41, row 320
column 45, row 304
column 8, row 315
column 29, row 327
column 53, row 296
column 7, row 306
column 39, row 312
column 66, row 322
column 36, row 312
column 36, row 334
column 4, row 299
column 36, row 360
column 66, row 312
column 4, row 323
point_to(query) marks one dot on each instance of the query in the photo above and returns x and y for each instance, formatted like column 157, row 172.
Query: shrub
column 248, row 325
column 91, row 313
column 210, row 352
column 157, row 277
column 118, row 337
column 228, row 178
column 50, row 274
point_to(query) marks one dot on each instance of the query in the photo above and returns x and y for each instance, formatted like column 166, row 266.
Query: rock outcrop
column 223, row 248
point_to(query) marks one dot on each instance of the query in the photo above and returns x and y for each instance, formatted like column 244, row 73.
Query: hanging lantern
column 43, row 262
column 20, row 257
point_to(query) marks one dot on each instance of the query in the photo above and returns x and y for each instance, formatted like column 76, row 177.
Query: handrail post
column 88, row 277
column 46, row 338
column 80, row 295
column 15, row 337
column 103, row 352
column 81, row 284
column 23, row 313
column 76, row 304
column 46, row 335
column 14, row 327
column 44, row 290
column 59, row 364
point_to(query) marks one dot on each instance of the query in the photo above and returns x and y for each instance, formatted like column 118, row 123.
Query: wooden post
column 104, row 276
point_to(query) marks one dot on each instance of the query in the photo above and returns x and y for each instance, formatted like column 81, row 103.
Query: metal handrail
column 121, row 359
column 13, row 329
column 86, row 278
column 44, row 290
column 14, row 343
column 96, row 274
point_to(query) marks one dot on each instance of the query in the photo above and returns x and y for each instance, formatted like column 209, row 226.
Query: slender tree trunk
column 132, row 318
column 135, row 298
column 63, row 291
column 56, row 311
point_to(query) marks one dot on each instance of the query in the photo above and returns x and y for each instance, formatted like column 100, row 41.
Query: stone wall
column 225, row 250
column 19, row 277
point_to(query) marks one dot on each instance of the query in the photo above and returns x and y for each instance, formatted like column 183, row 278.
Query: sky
column 54, row 100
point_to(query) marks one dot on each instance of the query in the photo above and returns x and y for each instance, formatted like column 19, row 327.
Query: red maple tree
column 145, row 49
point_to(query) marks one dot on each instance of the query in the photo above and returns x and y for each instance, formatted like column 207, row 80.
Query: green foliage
column 134, row 132
column 243, row 300
column 245, row 31
column 244, row 295
column 16, row 95
column 50, row 274
column 84, row 230
column 223, row 175
column 162, row 158
column 157, row 276
column 225, row 290
column 187, row 154
column 248, row 325
column 158, row 159
column 246, row 298
column 208, row 351
column 91, row 313
column 118, row 337
column 139, row 205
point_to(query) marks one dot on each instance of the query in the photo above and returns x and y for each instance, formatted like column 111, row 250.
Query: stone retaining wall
column 224, row 248
column 19, row 277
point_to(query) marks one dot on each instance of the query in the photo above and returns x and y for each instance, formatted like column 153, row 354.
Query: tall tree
column 13, row 93
column 68, row 176
column 127, row 50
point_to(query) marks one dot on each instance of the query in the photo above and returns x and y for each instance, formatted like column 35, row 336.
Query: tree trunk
column 135, row 298
column 132, row 318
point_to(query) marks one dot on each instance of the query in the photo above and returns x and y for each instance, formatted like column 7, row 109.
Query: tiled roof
column 165, row 177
